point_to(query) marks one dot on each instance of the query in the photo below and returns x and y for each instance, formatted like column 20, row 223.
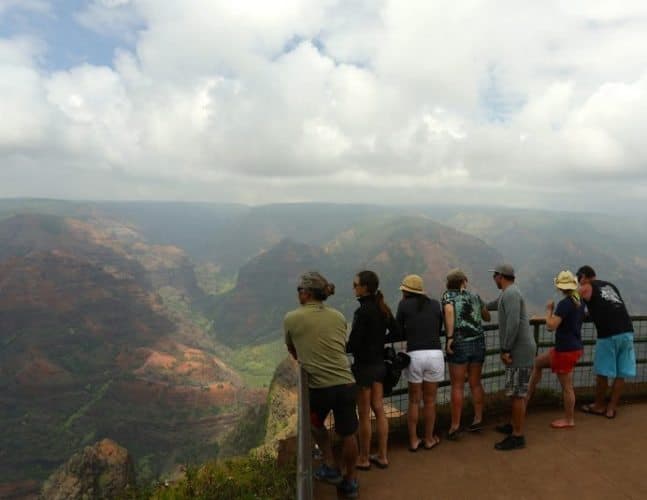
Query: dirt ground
column 599, row 458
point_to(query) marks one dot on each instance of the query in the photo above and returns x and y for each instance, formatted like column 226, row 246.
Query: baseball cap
column 503, row 269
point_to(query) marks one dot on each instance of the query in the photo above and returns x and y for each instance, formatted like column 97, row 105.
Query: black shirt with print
column 607, row 310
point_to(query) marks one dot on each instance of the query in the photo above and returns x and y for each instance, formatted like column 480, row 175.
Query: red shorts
column 563, row 361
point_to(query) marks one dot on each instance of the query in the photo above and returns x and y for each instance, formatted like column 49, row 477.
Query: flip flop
column 363, row 467
column 557, row 424
column 589, row 409
column 376, row 461
column 413, row 449
column 612, row 416
column 435, row 443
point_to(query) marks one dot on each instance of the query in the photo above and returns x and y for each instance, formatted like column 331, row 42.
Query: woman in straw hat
column 464, row 312
column 420, row 321
column 566, row 321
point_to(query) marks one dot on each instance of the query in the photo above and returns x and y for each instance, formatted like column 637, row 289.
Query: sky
column 514, row 103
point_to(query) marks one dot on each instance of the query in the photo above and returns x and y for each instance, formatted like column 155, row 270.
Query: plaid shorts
column 516, row 381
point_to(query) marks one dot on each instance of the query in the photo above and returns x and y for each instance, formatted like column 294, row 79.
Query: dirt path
column 600, row 458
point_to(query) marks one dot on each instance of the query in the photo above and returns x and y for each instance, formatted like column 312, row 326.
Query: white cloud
column 352, row 101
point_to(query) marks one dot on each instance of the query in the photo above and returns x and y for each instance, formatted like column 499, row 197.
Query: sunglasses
column 300, row 289
column 495, row 275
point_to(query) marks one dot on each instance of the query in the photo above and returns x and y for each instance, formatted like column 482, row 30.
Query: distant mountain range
column 137, row 321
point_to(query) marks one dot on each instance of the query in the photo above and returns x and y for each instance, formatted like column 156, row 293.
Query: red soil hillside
column 88, row 351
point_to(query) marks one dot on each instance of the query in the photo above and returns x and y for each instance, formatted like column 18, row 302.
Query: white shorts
column 427, row 365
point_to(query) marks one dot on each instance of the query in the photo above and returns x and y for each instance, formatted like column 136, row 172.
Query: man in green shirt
column 315, row 335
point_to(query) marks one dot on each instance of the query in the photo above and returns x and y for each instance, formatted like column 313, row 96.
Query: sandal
column 374, row 459
column 611, row 415
column 415, row 448
column 561, row 424
column 590, row 409
column 453, row 435
column 434, row 443
column 363, row 467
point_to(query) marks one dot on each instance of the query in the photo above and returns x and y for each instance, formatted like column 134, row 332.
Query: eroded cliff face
column 282, row 401
column 89, row 350
column 101, row 471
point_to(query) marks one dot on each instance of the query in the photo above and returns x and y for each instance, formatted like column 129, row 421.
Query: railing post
column 535, row 330
column 304, row 443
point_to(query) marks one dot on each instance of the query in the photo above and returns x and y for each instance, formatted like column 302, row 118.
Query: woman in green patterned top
column 465, row 347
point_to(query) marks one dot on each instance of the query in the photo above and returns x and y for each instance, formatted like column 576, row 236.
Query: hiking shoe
column 504, row 428
column 327, row 474
column 475, row 427
column 511, row 443
column 348, row 488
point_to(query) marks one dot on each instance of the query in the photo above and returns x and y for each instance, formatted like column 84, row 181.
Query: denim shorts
column 615, row 356
column 467, row 351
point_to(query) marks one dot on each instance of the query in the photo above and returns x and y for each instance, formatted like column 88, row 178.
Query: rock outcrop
column 282, row 403
column 102, row 471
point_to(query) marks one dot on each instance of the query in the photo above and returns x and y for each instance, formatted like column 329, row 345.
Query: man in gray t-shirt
column 518, row 351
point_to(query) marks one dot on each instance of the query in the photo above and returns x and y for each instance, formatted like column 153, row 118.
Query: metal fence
column 493, row 371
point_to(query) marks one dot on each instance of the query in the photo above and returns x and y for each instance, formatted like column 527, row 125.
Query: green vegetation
column 211, row 280
column 248, row 434
column 253, row 477
column 81, row 411
column 256, row 364
column 180, row 305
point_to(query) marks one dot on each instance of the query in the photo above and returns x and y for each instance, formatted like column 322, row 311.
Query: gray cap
column 312, row 280
column 503, row 269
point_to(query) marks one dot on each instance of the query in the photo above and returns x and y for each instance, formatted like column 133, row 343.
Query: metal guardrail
column 493, row 371
column 304, row 439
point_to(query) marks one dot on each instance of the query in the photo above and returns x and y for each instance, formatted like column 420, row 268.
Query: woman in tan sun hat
column 420, row 321
column 566, row 321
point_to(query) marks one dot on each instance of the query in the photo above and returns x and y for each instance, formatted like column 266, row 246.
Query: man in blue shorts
column 614, row 348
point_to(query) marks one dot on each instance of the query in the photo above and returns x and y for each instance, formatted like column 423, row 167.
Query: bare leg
column 518, row 415
column 349, row 456
column 566, row 379
column 429, row 390
column 542, row 361
column 381, row 422
column 476, row 388
column 364, row 429
column 616, row 392
column 415, row 395
column 601, row 387
column 457, row 376
column 322, row 438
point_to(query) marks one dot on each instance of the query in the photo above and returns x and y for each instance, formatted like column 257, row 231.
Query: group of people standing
column 316, row 335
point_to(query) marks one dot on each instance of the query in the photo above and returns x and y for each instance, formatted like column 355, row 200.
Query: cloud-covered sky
column 514, row 102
